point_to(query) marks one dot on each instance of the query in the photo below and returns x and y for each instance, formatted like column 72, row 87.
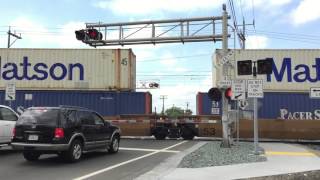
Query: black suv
column 64, row 130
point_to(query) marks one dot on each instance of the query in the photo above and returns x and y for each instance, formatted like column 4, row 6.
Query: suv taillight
column 59, row 133
column 14, row 132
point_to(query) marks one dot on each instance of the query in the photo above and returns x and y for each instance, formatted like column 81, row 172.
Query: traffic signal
column 244, row 67
column 214, row 94
column 90, row 34
column 228, row 94
column 94, row 34
column 81, row 35
column 153, row 85
column 265, row 66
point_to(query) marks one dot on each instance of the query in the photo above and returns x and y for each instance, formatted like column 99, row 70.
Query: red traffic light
column 228, row 93
column 94, row 34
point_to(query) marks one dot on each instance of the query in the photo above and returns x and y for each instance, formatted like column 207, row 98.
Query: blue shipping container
column 107, row 103
column 275, row 105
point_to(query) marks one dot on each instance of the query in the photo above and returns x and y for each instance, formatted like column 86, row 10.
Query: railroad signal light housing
column 90, row 34
column 228, row 93
column 94, row 34
column 81, row 35
column 214, row 94
column 265, row 66
column 244, row 67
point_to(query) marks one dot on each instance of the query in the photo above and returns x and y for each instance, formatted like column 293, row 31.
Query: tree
column 174, row 112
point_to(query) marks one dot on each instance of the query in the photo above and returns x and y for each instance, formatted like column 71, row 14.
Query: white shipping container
column 294, row 70
column 68, row 69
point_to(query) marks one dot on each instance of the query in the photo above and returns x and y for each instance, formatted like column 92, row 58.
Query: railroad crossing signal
column 89, row 34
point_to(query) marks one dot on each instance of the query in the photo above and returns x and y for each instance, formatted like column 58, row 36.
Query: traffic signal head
column 94, row 34
column 214, row 94
column 81, row 35
column 228, row 93
column 265, row 66
column 244, row 67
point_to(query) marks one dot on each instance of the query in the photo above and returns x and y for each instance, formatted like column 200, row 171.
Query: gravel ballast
column 211, row 154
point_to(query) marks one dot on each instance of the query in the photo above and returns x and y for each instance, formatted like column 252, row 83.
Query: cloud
column 266, row 4
column 143, row 7
column 257, row 42
column 307, row 11
column 36, row 35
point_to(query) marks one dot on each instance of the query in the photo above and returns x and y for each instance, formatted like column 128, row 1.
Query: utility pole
column 163, row 97
column 187, row 106
column 14, row 35
column 225, row 121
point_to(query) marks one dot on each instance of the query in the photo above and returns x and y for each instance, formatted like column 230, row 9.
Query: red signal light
column 228, row 93
column 94, row 34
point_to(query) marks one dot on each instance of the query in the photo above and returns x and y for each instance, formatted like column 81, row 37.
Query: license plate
column 33, row 137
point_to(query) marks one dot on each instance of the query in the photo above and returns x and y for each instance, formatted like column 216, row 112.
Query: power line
column 176, row 57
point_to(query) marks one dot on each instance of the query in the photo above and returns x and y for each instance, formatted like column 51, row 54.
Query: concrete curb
column 169, row 164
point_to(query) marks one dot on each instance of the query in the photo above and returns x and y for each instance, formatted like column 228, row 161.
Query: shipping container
column 282, row 116
column 274, row 105
column 293, row 70
column 68, row 69
column 107, row 103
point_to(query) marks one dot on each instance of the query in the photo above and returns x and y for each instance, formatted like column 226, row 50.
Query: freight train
column 104, row 80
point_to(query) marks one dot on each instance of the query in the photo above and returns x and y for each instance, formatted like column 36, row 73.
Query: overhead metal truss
column 155, row 32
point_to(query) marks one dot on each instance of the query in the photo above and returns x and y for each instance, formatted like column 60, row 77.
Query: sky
column 183, row 70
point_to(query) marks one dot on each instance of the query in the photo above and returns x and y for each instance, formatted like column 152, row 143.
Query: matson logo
column 285, row 114
column 296, row 73
column 40, row 71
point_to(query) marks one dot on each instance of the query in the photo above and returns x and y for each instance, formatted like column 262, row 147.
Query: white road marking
column 148, row 150
column 126, row 162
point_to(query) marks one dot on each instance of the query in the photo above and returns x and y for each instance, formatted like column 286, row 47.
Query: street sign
column 314, row 92
column 10, row 92
column 255, row 88
column 238, row 88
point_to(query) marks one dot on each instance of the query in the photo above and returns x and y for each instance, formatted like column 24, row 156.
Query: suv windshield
column 39, row 116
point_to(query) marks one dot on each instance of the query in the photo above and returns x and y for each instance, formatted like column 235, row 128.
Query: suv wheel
column 114, row 146
column 31, row 156
column 75, row 151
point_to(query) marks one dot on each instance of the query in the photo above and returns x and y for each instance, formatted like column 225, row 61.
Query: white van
column 8, row 119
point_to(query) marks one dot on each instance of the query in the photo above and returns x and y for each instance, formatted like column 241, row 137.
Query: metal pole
column 255, row 117
column 225, row 122
column 9, row 34
column 244, row 35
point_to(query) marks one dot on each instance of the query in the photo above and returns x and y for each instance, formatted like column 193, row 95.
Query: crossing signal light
column 90, row 34
column 94, row 34
column 154, row 85
column 81, row 35
column 265, row 66
column 228, row 93
column 214, row 94
column 244, row 67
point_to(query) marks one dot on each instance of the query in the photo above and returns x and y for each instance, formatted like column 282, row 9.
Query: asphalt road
column 135, row 157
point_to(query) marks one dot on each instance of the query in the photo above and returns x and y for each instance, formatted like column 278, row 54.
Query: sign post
column 10, row 92
column 255, row 90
